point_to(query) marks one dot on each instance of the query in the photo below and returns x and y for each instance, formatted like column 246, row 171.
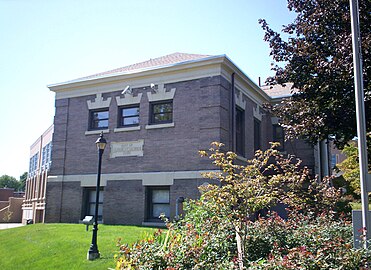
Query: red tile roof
column 156, row 62
column 277, row 91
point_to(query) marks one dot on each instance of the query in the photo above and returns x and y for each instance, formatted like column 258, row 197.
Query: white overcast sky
column 46, row 42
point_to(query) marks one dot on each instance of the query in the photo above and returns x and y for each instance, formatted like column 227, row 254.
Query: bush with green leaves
column 308, row 243
column 263, row 182
column 221, row 230
column 200, row 240
column 350, row 170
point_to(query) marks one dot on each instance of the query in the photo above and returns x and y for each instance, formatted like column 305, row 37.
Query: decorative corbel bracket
column 240, row 102
column 257, row 113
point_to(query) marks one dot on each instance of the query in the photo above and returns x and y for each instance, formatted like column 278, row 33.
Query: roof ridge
column 172, row 58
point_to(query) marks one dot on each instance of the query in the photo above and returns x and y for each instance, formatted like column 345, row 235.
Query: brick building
column 172, row 107
column 10, row 205
column 40, row 160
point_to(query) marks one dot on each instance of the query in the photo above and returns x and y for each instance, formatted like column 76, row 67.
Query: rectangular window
column 240, row 132
column 46, row 155
column 33, row 163
column 158, row 199
column 30, row 169
column 257, row 135
column 43, row 156
column 99, row 119
column 90, row 203
column 129, row 116
column 36, row 162
column 279, row 136
column 162, row 112
column 49, row 161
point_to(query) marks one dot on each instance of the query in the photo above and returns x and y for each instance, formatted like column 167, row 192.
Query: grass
column 62, row 246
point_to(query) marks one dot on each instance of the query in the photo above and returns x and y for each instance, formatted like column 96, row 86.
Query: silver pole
column 360, row 113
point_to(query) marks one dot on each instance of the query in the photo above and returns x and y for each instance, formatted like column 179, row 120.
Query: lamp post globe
column 101, row 142
column 93, row 252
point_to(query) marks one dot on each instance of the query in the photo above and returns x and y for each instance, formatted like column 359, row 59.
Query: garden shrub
column 320, row 243
column 221, row 230
column 199, row 241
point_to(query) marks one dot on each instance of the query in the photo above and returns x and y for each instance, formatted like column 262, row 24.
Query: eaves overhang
column 278, row 99
column 136, row 73
column 186, row 70
column 259, row 94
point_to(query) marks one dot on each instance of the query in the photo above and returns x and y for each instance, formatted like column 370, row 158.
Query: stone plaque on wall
column 127, row 149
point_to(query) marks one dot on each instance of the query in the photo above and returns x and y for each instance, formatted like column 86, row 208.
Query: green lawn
column 62, row 246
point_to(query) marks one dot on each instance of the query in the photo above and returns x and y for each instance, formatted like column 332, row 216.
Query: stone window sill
column 155, row 126
column 125, row 129
column 98, row 131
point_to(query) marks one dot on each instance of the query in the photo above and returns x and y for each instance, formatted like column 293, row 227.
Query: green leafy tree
column 7, row 181
column 350, row 168
column 315, row 54
column 265, row 181
column 23, row 179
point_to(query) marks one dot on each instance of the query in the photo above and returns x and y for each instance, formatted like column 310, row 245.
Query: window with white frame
column 46, row 156
column 33, row 163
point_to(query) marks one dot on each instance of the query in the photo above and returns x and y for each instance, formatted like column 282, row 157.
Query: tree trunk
column 240, row 249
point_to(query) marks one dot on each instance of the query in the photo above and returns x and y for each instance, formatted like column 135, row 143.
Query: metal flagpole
column 360, row 113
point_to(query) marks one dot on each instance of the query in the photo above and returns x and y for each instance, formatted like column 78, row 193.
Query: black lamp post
column 93, row 252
